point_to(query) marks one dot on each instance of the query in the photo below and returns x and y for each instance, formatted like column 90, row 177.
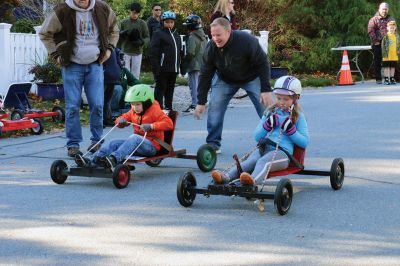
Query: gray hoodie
column 87, row 49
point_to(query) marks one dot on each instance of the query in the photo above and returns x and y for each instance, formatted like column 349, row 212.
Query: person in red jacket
column 145, row 116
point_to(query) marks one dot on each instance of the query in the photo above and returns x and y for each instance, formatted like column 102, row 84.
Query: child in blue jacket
column 282, row 123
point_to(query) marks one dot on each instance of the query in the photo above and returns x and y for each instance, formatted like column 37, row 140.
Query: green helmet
column 139, row 93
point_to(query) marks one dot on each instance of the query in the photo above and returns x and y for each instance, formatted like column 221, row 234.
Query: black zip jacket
column 241, row 60
column 165, row 51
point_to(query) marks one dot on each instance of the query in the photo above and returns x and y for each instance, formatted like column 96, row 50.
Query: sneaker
column 219, row 177
column 100, row 160
column 392, row 80
column 81, row 161
column 166, row 111
column 111, row 161
column 190, row 109
column 387, row 82
column 246, row 179
column 73, row 151
column 94, row 147
column 217, row 149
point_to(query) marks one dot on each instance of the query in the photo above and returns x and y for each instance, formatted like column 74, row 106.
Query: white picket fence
column 18, row 53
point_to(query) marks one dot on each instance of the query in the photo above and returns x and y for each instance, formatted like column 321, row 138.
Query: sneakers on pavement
column 392, row 80
column 246, row 179
column 94, row 147
column 81, row 161
column 111, row 161
column 219, row 177
column 190, row 109
column 72, row 151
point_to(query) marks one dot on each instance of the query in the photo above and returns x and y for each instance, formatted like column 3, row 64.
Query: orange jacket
column 155, row 116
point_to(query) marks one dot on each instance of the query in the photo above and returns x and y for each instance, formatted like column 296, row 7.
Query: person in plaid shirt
column 377, row 29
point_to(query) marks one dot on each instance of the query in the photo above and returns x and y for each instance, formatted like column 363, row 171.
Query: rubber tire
column 121, row 176
column 37, row 130
column 61, row 114
column 56, row 171
column 154, row 163
column 337, row 174
column 206, row 158
column 183, row 193
column 283, row 196
column 16, row 115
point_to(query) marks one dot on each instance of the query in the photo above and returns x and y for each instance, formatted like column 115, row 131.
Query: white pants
column 133, row 63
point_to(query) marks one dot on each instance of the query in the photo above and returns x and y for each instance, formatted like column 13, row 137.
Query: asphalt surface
column 87, row 221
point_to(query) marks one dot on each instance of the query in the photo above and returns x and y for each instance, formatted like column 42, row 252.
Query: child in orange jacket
column 146, row 116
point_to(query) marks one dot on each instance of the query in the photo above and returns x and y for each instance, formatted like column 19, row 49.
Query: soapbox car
column 206, row 159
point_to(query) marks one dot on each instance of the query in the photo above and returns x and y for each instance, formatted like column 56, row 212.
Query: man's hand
column 105, row 57
column 199, row 111
column 266, row 98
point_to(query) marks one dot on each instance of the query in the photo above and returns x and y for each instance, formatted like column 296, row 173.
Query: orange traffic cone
column 345, row 72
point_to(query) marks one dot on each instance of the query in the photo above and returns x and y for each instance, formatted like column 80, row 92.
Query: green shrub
column 23, row 26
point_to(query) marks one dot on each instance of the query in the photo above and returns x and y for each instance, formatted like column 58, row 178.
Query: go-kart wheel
column 184, row 190
column 16, row 115
column 61, row 114
column 121, row 176
column 337, row 174
column 153, row 163
column 57, row 171
column 39, row 129
column 283, row 196
column 206, row 158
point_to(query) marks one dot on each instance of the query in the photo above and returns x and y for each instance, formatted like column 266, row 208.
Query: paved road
column 88, row 221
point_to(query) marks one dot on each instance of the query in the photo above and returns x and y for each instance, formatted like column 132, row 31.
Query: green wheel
column 206, row 158
column 184, row 190
column 58, row 171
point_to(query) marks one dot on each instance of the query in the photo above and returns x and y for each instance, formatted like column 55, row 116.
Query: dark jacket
column 195, row 45
column 241, row 60
column 112, row 68
column 153, row 25
column 377, row 27
column 165, row 51
column 134, row 35
column 59, row 30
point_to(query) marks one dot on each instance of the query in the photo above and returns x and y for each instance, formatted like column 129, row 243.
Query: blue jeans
column 121, row 148
column 91, row 77
column 116, row 97
column 193, row 83
column 221, row 94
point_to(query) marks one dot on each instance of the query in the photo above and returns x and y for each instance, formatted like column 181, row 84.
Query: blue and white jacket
column 300, row 137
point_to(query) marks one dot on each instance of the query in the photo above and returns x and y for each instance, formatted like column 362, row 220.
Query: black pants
column 377, row 50
column 108, row 92
column 164, row 89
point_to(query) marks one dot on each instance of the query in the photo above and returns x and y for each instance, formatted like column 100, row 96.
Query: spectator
column 165, row 49
column 195, row 44
column 154, row 22
column 390, row 52
column 225, row 9
column 377, row 29
column 126, row 79
column 80, row 35
column 232, row 60
column 134, row 34
column 112, row 72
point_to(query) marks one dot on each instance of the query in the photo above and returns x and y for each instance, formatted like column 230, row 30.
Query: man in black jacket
column 154, row 22
column 232, row 60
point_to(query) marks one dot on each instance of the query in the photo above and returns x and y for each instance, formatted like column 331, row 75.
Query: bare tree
column 37, row 9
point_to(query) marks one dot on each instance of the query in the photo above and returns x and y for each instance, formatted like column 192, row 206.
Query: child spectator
column 165, row 49
column 126, row 79
column 282, row 123
column 390, row 52
column 133, row 35
column 195, row 44
column 145, row 116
